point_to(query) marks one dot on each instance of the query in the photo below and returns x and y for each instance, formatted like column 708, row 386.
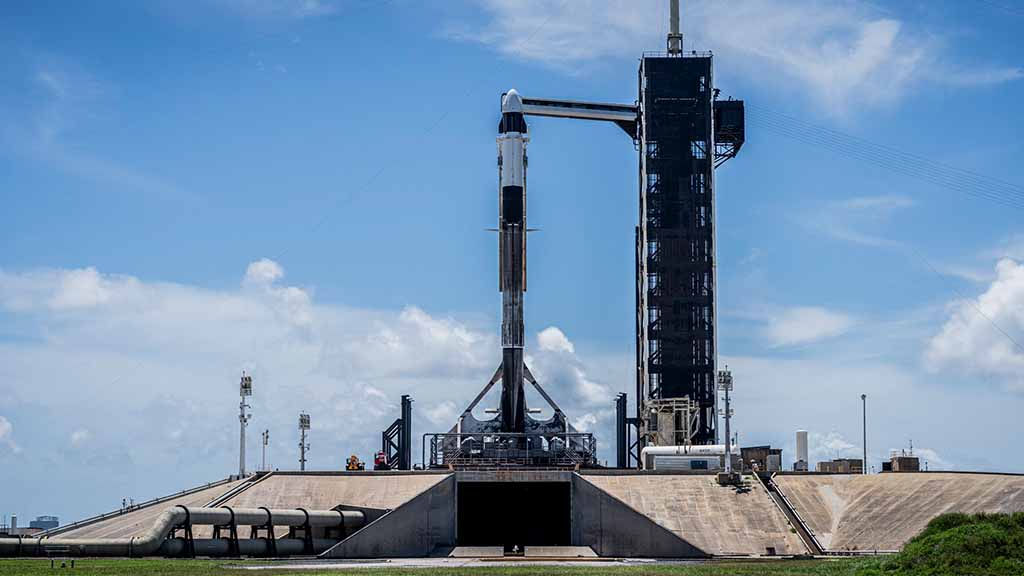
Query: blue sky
column 302, row 190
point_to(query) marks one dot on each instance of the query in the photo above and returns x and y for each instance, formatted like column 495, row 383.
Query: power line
column 950, row 177
column 957, row 179
column 977, row 308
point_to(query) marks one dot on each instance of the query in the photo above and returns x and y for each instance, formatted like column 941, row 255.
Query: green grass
column 961, row 545
column 108, row 567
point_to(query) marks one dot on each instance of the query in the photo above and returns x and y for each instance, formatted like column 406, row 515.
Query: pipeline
column 155, row 541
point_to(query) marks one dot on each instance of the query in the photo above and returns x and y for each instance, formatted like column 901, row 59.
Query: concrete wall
column 417, row 528
column 884, row 511
column 611, row 528
column 716, row 520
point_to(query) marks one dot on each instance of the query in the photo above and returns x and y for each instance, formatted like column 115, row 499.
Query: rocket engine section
column 512, row 139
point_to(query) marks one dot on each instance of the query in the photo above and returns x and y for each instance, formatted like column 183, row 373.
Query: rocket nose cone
column 512, row 102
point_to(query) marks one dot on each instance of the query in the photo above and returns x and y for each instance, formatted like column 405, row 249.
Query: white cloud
column 66, row 103
column 80, row 289
column 79, row 437
column 879, row 203
column 861, row 220
column 585, row 422
column 804, row 325
column 262, row 272
column 775, row 397
column 557, row 367
column 829, row 446
column 933, row 460
column 843, row 54
column 158, row 363
column 552, row 339
column 984, row 334
column 442, row 414
column 7, row 435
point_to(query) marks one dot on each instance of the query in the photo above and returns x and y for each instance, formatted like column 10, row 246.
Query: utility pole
column 725, row 385
column 266, row 440
column 303, row 446
column 244, row 390
column 864, row 412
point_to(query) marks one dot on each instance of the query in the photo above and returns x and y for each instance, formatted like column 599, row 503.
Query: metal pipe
column 155, row 542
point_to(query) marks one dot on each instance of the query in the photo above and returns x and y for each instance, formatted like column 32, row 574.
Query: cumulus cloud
column 160, row 362
column 804, row 325
column 843, row 54
column 557, row 367
column 830, row 445
column 984, row 334
column 263, row 272
column 552, row 339
column 7, row 435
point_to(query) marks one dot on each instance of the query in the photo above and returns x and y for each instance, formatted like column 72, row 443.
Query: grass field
column 108, row 567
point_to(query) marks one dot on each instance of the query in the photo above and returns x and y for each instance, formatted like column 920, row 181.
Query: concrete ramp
column 138, row 520
column 884, row 511
column 611, row 527
column 324, row 491
column 711, row 520
column 421, row 526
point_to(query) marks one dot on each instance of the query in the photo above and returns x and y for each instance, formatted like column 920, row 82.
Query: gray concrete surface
column 884, row 511
column 324, row 492
column 612, row 528
column 714, row 519
column 137, row 522
column 421, row 526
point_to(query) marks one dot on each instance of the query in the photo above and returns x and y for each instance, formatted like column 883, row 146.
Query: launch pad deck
column 616, row 513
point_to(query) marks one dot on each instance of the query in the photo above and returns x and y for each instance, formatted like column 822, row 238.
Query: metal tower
column 682, row 132
column 244, row 391
column 303, row 446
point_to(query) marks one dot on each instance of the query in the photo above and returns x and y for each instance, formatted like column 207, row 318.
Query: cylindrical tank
column 801, row 446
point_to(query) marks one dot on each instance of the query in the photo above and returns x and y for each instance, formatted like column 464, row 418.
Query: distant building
column 44, row 522
column 842, row 466
column 765, row 457
column 902, row 461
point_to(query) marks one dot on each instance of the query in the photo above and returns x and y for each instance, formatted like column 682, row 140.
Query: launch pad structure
column 682, row 132
column 514, row 484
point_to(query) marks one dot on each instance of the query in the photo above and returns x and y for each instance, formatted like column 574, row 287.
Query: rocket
column 512, row 139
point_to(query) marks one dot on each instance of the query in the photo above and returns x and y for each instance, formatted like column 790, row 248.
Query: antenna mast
column 675, row 38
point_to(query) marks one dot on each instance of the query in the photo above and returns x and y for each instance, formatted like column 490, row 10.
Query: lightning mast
column 244, row 391
column 303, row 446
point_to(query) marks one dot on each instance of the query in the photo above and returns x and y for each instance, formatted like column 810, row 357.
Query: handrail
column 133, row 508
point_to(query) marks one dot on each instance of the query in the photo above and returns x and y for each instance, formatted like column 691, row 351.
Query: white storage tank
column 802, row 462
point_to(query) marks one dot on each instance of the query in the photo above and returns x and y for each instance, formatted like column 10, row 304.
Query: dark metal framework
column 396, row 440
column 625, row 446
column 567, row 450
column 675, row 244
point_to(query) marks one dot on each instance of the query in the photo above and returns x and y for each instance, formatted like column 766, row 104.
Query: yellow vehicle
column 353, row 463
